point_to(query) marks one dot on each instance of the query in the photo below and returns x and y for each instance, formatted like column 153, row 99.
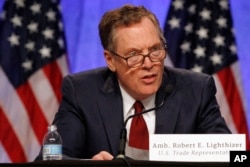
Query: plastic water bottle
column 52, row 144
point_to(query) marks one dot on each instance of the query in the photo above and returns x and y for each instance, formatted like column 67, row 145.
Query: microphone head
column 168, row 89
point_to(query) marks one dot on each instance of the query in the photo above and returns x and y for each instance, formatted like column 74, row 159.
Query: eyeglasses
column 135, row 59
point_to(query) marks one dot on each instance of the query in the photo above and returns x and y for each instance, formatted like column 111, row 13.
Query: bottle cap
column 52, row 128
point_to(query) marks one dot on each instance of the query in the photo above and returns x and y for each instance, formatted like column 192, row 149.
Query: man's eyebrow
column 140, row 50
column 155, row 45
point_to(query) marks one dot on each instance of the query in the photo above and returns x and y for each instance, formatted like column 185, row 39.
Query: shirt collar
column 128, row 102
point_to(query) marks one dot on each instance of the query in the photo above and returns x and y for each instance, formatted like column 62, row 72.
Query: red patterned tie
column 138, row 136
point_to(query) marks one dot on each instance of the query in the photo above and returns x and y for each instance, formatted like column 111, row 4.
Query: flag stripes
column 32, row 65
column 46, row 99
column 55, row 80
column 37, row 119
column 33, row 97
column 13, row 146
column 17, row 117
column 200, row 38
column 4, row 157
column 224, row 106
column 62, row 63
column 227, row 79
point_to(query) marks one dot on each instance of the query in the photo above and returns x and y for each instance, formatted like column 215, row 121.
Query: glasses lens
column 154, row 56
column 135, row 61
column 157, row 55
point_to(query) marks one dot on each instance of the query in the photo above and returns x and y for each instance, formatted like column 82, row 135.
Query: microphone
column 123, row 137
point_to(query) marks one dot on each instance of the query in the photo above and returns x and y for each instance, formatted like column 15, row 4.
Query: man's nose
column 147, row 62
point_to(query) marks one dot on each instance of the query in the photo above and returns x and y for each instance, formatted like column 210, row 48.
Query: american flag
column 32, row 64
column 201, row 38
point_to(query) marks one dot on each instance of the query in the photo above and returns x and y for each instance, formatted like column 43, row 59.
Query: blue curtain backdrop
column 81, row 18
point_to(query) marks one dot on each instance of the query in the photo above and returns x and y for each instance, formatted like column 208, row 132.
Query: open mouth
column 149, row 78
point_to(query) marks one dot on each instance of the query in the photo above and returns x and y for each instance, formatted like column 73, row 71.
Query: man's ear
column 110, row 61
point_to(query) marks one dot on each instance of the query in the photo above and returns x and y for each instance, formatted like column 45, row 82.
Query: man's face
column 143, row 81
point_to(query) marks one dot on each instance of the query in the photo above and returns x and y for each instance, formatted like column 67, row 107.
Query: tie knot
column 138, row 106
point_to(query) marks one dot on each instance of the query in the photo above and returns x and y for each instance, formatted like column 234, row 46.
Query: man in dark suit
column 95, row 103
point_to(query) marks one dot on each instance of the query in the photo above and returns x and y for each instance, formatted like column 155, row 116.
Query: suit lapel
column 110, row 108
column 166, row 116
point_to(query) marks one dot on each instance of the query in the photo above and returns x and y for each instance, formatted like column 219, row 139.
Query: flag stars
column 233, row 49
column 233, row 31
column 178, row 4
column 30, row 46
column 192, row 9
column 45, row 52
column 19, row 3
column 199, row 52
column 48, row 33
column 185, row 47
column 216, row 59
column 51, row 15
column 188, row 28
column 174, row 23
column 222, row 22
column 60, row 25
column 35, row 8
column 3, row 15
column 219, row 40
column 59, row 7
column 197, row 68
column 205, row 35
column 31, row 36
column 16, row 21
column 202, row 33
column 27, row 65
column 223, row 4
column 33, row 27
column 60, row 43
column 14, row 40
column 205, row 14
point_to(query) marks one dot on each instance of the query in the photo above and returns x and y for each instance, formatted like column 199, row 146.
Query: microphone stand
column 123, row 137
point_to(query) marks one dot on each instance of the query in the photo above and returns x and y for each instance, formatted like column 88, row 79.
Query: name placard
column 195, row 147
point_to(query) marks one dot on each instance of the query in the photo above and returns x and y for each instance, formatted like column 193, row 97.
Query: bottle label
column 52, row 149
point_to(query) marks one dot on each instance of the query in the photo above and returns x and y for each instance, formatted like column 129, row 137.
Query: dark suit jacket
column 90, row 117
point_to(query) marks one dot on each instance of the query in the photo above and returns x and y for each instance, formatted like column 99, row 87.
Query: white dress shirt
column 149, row 118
